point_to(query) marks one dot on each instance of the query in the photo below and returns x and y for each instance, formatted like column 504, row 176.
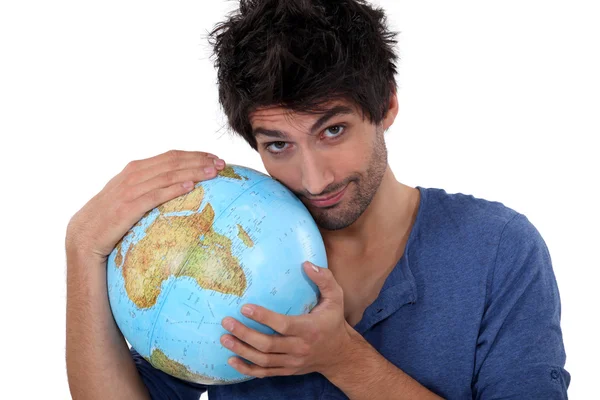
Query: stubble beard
column 362, row 187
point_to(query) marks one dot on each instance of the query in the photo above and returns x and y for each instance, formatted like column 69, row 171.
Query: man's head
column 310, row 85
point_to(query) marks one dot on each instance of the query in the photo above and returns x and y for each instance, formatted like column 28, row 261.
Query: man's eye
column 276, row 147
column 335, row 131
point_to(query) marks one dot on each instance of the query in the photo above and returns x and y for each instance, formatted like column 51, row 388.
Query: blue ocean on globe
column 238, row 238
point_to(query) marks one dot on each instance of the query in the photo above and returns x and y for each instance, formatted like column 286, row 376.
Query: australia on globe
column 235, row 239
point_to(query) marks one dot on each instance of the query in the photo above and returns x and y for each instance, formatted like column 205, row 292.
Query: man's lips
column 329, row 200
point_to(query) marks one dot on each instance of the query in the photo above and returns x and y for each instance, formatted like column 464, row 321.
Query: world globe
column 238, row 238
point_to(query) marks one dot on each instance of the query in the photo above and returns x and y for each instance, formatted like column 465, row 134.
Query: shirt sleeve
column 162, row 386
column 520, row 352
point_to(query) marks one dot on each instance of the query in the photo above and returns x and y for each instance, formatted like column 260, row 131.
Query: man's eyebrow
column 275, row 134
column 332, row 112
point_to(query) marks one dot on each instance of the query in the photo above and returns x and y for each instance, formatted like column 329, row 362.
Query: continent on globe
column 171, row 242
column 159, row 360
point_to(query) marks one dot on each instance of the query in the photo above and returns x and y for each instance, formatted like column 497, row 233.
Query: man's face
column 334, row 161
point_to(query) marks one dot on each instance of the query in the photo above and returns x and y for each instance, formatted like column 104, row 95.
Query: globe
column 238, row 238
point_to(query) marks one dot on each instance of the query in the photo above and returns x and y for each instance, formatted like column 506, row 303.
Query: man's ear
column 392, row 111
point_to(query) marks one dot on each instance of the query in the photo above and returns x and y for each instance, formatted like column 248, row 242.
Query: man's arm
column 520, row 351
column 99, row 365
column 363, row 373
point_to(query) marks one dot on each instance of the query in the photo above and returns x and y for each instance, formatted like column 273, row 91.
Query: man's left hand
column 313, row 342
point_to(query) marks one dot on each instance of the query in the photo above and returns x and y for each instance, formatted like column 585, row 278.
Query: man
column 427, row 294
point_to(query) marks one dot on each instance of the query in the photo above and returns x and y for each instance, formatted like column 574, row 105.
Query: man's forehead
column 275, row 112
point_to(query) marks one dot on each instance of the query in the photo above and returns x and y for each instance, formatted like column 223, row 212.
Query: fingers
column 325, row 281
column 171, row 155
column 257, row 371
column 147, row 188
column 263, row 342
column 140, row 187
column 266, row 360
column 169, row 181
column 281, row 323
column 140, row 171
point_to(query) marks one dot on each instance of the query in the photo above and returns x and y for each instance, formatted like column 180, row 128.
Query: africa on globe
column 235, row 239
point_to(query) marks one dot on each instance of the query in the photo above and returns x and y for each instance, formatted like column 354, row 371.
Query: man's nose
column 316, row 174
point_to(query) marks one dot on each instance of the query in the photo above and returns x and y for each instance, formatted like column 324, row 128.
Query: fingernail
column 209, row 170
column 228, row 343
column 313, row 266
column 247, row 310
column 219, row 163
column 228, row 324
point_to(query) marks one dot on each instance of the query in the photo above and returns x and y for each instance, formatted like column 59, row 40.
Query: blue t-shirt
column 471, row 310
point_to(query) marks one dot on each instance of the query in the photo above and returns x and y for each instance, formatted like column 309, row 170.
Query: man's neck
column 387, row 219
column 363, row 255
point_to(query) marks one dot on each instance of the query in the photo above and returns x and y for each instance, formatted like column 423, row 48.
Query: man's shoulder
column 461, row 214
column 465, row 222
column 470, row 238
column 467, row 205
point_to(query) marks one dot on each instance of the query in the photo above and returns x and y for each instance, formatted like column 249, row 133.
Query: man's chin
column 329, row 221
column 332, row 225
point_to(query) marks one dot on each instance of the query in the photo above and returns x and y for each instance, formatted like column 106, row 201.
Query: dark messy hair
column 300, row 54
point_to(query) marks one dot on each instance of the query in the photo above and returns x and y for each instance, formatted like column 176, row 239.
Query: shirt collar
column 400, row 287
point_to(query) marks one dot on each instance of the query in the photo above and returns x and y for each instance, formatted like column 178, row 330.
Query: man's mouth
column 328, row 200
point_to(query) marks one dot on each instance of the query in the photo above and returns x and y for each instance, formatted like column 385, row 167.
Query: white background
column 497, row 99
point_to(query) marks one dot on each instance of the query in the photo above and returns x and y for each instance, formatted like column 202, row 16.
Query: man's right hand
column 99, row 363
column 142, row 185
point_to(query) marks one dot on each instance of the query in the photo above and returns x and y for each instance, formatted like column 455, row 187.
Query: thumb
column 325, row 281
